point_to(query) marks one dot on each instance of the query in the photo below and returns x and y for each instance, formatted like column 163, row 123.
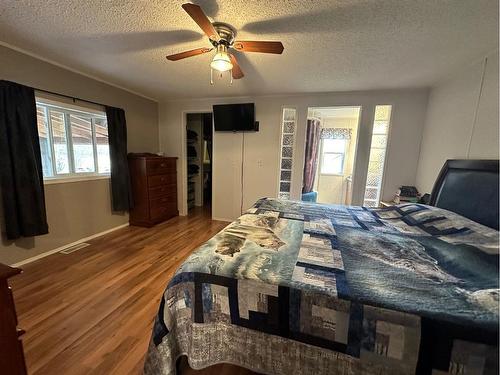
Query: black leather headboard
column 469, row 188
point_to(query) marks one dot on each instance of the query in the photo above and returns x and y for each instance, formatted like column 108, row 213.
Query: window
column 332, row 156
column 72, row 142
column 288, row 126
column 378, row 151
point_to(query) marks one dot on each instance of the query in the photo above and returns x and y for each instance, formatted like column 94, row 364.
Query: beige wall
column 462, row 120
column 261, row 150
column 79, row 209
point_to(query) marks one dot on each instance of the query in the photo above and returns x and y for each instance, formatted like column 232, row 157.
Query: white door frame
column 355, row 176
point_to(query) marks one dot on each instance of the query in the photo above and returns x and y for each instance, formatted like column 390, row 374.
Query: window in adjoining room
column 332, row 156
column 73, row 142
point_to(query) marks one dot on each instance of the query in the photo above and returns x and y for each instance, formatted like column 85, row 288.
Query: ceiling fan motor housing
column 226, row 32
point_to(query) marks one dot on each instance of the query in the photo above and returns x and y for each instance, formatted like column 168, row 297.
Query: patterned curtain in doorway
column 336, row 133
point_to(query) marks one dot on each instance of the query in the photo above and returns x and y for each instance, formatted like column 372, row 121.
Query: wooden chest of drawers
column 11, row 347
column 154, row 189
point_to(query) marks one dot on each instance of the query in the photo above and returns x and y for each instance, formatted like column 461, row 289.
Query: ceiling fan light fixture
column 222, row 36
column 221, row 61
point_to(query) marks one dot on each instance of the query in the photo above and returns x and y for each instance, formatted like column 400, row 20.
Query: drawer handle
column 162, row 164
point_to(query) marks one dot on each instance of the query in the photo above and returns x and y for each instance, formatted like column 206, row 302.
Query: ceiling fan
column 222, row 38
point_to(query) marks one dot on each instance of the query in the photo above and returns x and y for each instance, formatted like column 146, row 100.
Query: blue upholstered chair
column 312, row 196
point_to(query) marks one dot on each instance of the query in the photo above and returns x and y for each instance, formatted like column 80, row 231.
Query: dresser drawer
column 162, row 179
column 160, row 166
column 163, row 207
column 161, row 191
column 169, row 198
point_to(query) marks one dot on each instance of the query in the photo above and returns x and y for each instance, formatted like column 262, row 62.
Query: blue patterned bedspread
column 294, row 287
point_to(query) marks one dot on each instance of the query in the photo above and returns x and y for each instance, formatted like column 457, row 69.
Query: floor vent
column 72, row 249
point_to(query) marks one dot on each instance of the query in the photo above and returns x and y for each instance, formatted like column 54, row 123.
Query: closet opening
column 199, row 136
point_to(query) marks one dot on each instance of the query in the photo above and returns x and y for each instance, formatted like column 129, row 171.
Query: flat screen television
column 234, row 117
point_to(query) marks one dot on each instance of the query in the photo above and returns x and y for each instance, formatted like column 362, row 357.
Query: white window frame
column 342, row 173
column 67, row 111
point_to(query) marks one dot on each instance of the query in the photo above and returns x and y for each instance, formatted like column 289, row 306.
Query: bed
column 294, row 287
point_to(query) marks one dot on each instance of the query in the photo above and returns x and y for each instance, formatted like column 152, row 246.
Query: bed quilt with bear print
column 295, row 287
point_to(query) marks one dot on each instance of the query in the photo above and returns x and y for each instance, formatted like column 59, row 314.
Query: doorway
column 331, row 145
column 199, row 136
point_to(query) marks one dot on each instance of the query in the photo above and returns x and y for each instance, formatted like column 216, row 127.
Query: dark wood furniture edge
column 6, row 272
column 12, row 359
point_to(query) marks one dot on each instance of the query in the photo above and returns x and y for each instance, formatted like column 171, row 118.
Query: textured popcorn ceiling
column 330, row 45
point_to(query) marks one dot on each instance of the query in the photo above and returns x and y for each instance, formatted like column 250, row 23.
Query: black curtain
column 21, row 176
column 120, row 178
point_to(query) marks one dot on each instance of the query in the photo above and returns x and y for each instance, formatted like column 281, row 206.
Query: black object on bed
column 469, row 188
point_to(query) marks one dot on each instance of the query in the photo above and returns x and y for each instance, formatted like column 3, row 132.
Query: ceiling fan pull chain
column 231, row 75
column 211, row 76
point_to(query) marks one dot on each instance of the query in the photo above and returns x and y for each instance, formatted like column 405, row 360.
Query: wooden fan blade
column 264, row 47
column 237, row 72
column 193, row 52
column 202, row 20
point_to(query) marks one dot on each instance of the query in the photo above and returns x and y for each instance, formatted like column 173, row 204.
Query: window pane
column 286, row 164
column 286, row 176
column 377, row 155
column 288, row 140
column 83, row 149
column 284, row 187
column 286, row 152
column 288, row 127
column 72, row 142
column 289, row 114
column 43, row 137
column 383, row 112
column 371, row 193
column 334, row 145
column 379, row 141
column 60, row 141
column 288, row 122
column 373, row 179
column 332, row 163
column 101, row 135
column 380, row 127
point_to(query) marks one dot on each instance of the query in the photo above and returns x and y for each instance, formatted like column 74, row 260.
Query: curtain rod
column 70, row 97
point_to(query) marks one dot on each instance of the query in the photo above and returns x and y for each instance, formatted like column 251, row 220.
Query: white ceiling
column 330, row 45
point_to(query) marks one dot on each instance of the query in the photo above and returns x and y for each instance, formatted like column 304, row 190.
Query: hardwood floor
column 91, row 311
